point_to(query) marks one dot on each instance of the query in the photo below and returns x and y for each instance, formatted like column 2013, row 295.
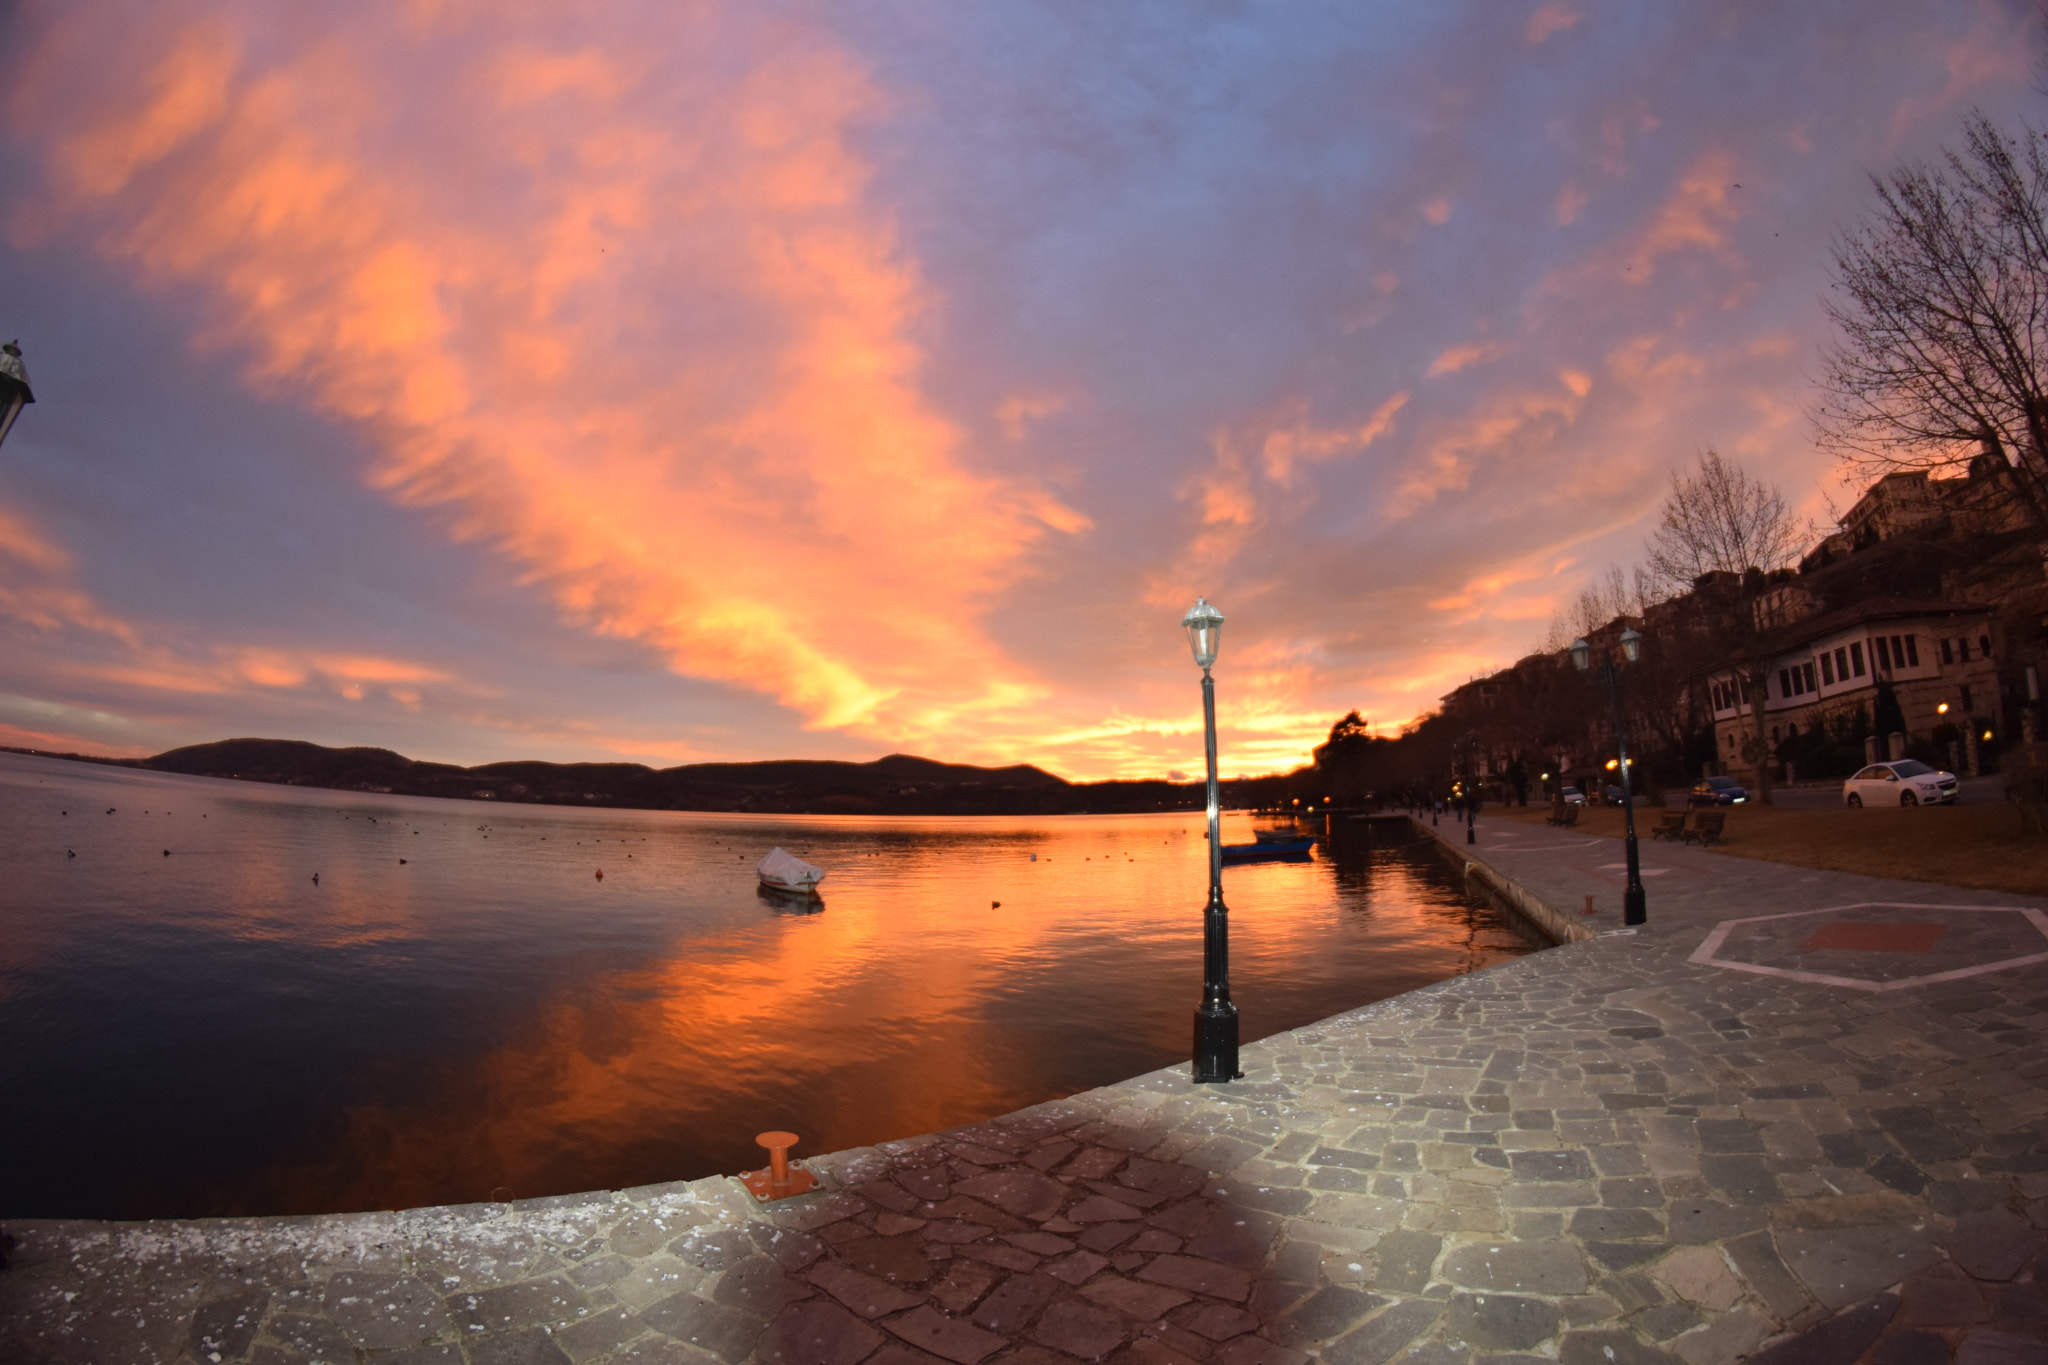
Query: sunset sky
column 670, row 381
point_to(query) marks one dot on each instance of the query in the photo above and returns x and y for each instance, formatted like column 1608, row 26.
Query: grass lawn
column 1978, row 845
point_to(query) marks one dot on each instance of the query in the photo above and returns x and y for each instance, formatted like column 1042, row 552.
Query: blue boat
column 1271, row 843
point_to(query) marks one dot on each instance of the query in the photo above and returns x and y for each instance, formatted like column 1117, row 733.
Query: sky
column 696, row 380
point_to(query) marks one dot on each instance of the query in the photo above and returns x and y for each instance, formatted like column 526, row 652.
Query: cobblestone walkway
column 1801, row 1118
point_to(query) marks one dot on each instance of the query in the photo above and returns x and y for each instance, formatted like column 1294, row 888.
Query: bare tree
column 1941, row 300
column 1718, row 520
column 1609, row 595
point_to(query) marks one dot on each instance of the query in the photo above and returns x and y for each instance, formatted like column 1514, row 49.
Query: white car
column 1901, row 782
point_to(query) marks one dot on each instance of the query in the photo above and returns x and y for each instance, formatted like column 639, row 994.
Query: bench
column 1708, row 832
column 1565, row 818
column 1672, row 826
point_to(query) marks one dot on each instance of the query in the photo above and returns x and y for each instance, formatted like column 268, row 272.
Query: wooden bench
column 1672, row 826
column 1708, row 831
column 1565, row 818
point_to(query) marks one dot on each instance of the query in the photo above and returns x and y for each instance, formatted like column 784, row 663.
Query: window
column 1807, row 669
column 1784, row 683
column 1856, row 657
column 1984, row 645
column 1948, row 654
column 1966, row 699
column 1842, row 665
column 1883, row 651
column 1912, row 650
column 1827, row 669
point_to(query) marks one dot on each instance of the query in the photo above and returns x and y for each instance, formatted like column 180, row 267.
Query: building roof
column 1872, row 611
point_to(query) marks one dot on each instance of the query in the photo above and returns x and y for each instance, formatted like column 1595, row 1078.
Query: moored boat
column 782, row 871
column 1296, row 846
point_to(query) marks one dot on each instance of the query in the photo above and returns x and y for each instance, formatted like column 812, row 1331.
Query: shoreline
column 1614, row 1146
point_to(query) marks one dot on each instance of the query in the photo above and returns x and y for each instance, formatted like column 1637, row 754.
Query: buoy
column 600, row 874
column 167, row 853
column 401, row 862
column 995, row 905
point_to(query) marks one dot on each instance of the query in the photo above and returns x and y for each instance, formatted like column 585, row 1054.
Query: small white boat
column 781, row 871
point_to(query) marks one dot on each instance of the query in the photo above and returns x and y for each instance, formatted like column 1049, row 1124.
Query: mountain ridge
column 896, row 784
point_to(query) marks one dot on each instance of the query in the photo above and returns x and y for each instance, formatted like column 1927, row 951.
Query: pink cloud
column 1548, row 20
column 528, row 359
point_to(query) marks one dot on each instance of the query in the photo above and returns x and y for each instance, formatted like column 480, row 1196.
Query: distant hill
column 897, row 785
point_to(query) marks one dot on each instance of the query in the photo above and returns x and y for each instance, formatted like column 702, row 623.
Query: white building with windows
column 1939, row 658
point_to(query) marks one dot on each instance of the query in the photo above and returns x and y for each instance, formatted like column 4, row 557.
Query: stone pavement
column 1800, row 1117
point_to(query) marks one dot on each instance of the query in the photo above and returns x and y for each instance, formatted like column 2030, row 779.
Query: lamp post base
column 1633, row 909
column 1216, row 1045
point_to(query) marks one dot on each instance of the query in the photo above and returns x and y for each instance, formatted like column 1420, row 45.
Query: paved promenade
column 1801, row 1117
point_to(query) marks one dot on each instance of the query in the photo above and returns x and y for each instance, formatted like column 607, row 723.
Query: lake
column 461, row 1009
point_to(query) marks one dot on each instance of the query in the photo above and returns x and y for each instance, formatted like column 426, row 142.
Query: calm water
column 461, row 1009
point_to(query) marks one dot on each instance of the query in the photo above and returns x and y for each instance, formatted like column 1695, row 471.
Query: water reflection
column 785, row 902
column 461, row 1007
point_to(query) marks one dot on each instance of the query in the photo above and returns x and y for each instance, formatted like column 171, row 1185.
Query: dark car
column 1718, row 791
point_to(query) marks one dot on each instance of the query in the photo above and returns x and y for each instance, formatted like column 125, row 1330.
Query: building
column 1940, row 659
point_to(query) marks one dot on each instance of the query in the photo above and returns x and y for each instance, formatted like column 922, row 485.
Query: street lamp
column 1633, row 909
column 1472, row 787
column 1215, row 1017
column 14, row 391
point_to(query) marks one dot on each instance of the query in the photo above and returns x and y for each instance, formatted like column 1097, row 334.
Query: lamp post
column 1633, row 909
column 1215, row 1017
column 1471, row 785
column 14, row 390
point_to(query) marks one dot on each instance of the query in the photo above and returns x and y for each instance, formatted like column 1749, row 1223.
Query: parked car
column 1901, row 782
column 1718, row 791
column 1574, row 797
column 1612, row 794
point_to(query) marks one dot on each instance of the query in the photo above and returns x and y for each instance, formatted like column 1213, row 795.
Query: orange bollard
column 780, row 1180
column 1589, row 904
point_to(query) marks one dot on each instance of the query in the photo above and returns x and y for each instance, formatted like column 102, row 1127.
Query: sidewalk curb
column 1557, row 925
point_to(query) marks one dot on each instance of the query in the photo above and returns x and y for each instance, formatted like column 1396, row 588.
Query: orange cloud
column 1517, row 421
column 1696, row 217
column 656, row 350
column 1455, row 358
column 1297, row 440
